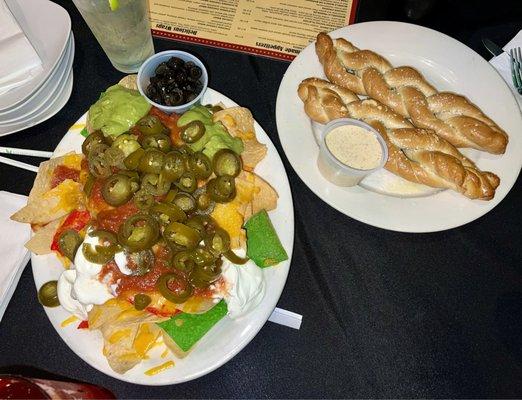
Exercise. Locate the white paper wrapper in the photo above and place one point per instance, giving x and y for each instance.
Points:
(503, 66)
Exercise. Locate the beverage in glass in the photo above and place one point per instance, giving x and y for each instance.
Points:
(122, 28)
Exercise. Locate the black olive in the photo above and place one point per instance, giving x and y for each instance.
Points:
(157, 99)
(161, 69)
(181, 77)
(175, 63)
(189, 87)
(195, 72)
(189, 64)
(198, 87)
(189, 96)
(167, 100)
(176, 97)
(151, 91)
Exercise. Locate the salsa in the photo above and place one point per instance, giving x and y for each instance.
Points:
(112, 219)
(61, 173)
(143, 283)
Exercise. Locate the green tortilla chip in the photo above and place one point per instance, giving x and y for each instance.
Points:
(263, 244)
(186, 329)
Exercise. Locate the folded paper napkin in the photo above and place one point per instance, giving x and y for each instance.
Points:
(503, 66)
(20, 62)
(13, 236)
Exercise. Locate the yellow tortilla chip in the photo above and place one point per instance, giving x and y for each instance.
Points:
(240, 123)
(230, 216)
(128, 334)
(100, 314)
(42, 182)
(265, 196)
(42, 239)
(51, 205)
(172, 346)
(129, 82)
(196, 305)
(252, 154)
(253, 194)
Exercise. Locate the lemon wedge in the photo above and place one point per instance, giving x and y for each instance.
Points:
(114, 4)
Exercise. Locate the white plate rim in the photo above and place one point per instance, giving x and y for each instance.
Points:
(46, 267)
(371, 208)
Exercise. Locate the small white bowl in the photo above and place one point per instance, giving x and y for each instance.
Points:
(148, 69)
(334, 170)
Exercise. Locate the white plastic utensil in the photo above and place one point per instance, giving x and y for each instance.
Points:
(26, 152)
(18, 164)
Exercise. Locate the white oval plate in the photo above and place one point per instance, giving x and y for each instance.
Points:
(450, 66)
(227, 337)
(47, 26)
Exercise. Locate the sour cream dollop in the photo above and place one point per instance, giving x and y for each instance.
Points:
(79, 287)
(245, 287)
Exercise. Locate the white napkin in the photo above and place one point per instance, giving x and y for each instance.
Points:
(19, 61)
(13, 236)
(503, 66)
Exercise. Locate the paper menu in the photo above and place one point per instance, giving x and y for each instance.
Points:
(272, 28)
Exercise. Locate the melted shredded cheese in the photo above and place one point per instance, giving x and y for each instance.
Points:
(160, 368)
(68, 321)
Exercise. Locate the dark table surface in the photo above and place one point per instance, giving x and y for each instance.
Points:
(385, 314)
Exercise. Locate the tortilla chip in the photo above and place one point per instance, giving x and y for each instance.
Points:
(265, 196)
(129, 82)
(42, 182)
(100, 314)
(197, 305)
(128, 333)
(124, 347)
(172, 346)
(253, 194)
(240, 123)
(238, 120)
(230, 216)
(53, 204)
(42, 239)
(252, 154)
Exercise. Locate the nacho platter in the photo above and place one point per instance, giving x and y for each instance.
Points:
(228, 336)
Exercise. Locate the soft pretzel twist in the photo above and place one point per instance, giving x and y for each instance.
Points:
(407, 92)
(418, 155)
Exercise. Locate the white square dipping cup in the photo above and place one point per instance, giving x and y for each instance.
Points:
(334, 170)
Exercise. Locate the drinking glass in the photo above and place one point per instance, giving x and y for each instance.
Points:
(123, 31)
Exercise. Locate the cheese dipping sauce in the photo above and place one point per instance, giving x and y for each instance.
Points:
(354, 146)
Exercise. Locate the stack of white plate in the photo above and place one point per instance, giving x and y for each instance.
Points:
(48, 28)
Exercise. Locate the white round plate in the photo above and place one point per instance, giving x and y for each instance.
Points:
(228, 336)
(46, 93)
(450, 66)
(47, 26)
(47, 110)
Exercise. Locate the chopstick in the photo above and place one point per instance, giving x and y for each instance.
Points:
(26, 152)
(18, 164)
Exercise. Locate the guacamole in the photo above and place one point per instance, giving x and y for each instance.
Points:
(117, 110)
(216, 136)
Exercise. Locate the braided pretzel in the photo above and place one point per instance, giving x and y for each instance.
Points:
(407, 92)
(417, 155)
